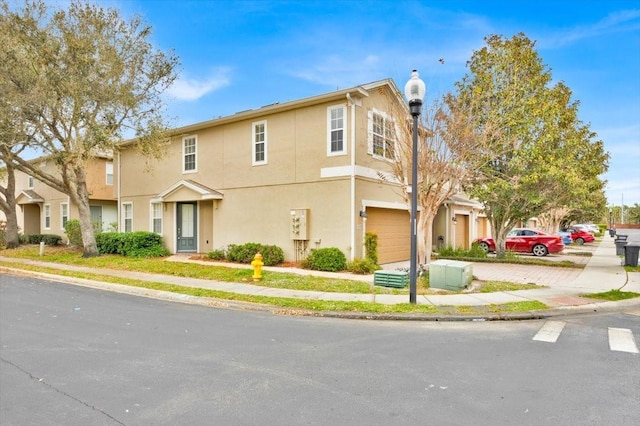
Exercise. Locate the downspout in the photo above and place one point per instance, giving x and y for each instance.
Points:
(352, 177)
(118, 212)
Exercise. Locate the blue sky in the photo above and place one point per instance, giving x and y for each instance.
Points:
(237, 55)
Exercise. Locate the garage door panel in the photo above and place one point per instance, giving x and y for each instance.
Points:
(394, 233)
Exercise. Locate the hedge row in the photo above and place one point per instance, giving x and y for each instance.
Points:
(131, 244)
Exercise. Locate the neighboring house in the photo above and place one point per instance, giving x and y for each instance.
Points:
(44, 210)
(301, 175)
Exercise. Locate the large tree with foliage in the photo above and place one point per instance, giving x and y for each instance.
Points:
(447, 157)
(93, 79)
(542, 157)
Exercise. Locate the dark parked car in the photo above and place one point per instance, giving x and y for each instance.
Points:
(525, 240)
(580, 235)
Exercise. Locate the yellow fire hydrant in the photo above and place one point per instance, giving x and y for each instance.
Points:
(257, 267)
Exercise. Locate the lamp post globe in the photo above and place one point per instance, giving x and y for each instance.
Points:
(414, 90)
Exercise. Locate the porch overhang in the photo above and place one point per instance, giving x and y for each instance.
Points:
(29, 197)
(187, 190)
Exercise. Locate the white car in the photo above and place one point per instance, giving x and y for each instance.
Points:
(590, 227)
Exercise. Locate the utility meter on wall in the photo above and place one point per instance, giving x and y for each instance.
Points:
(299, 225)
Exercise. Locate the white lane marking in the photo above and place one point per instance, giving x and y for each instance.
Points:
(621, 339)
(550, 331)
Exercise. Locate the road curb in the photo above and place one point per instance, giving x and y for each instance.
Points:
(278, 310)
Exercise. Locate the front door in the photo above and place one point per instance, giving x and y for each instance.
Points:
(186, 227)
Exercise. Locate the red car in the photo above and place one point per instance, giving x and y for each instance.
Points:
(580, 236)
(525, 240)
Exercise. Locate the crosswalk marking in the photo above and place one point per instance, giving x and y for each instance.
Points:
(550, 331)
(621, 339)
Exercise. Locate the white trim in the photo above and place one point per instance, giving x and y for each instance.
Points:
(206, 193)
(152, 217)
(385, 205)
(124, 217)
(385, 118)
(254, 142)
(360, 171)
(45, 216)
(62, 216)
(195, 153)
(107, 164)
(330, 109)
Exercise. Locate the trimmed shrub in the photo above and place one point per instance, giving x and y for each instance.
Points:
(108, 243)
(48, 239)
(242, 253)
(474, 252)
(362, 266)
(329, 259)
(371, 247)
(271, 255)
(216, 255)
(74, 234)
(131, 244)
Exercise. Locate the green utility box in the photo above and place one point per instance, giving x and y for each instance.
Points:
(450, 274)
(397, 279)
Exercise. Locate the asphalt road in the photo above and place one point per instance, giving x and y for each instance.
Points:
(76, 356)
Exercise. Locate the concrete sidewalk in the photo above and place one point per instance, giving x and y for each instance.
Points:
(603, 272)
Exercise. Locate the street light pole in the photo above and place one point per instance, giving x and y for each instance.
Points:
(414, 91)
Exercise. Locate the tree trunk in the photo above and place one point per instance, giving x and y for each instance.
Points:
(425, 232)
(81, 199)
(8, 206)
(11, 230)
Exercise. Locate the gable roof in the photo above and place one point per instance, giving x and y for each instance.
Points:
(29, 196)
(355, 92)
(195, 191)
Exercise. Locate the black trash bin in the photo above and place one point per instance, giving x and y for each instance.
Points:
(621, 237)
(612, 232)
(620, 244)
(631, 254)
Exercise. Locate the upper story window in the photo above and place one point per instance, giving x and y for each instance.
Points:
(30, 182)
(382, 135)
(336, 130)
(259, 144)
(109, 167)
(189, 154)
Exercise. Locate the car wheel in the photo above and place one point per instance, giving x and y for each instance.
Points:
(540, 250)
(580, 240)
(484, 246)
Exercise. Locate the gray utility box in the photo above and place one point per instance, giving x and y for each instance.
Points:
(397, 279)
(450, 274)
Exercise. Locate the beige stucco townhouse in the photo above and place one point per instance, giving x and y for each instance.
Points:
(301, 175)
(44, 210)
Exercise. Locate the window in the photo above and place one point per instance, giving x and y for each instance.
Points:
(336, 130)
(382, 135)
(30, 182)
(189, 151)
(109, 173)
(156, 218)
(259, 148)
(64, 213)
(47, 216)
(127, 217)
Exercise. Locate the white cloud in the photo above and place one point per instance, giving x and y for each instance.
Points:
(623, 21)
(190, 89)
